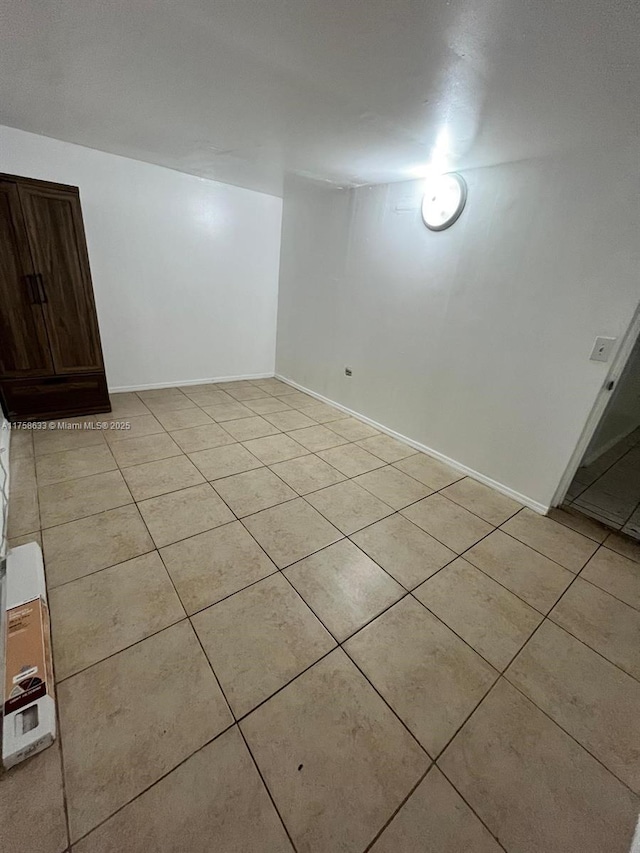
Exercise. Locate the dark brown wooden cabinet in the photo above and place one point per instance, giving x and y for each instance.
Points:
(50, 355)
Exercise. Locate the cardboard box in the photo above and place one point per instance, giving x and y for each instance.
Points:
(29, 723)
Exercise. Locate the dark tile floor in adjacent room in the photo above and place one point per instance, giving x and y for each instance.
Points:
(609, 489)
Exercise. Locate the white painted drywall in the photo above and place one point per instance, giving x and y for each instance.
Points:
(473, 341)
(185, 270)
(622, 415)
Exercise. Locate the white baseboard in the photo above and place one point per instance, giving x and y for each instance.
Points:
(120, 388)
(538, 507)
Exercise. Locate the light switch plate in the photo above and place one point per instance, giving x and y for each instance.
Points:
(602, 349)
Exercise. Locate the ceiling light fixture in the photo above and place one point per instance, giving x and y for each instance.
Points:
(443, 201)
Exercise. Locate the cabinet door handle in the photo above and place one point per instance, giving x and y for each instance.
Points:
(30, 279)
(41, 290)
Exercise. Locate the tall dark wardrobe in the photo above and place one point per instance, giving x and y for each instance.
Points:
(50, 355)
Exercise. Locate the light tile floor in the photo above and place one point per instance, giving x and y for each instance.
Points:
(275, 629)
(608, 490)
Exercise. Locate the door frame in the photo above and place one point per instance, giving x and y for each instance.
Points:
(614, 374)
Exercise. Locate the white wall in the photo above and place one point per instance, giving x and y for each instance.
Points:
(622, 415)
(474, 341)
(185, 270)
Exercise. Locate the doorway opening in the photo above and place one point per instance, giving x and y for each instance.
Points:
(606, 484)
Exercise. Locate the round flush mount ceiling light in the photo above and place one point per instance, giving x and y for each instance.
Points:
(443, 201)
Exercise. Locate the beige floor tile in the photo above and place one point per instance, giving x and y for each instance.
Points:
(454, 526)
(158, 478)
(101, 614)
(335, 758)
(23, 512)
(203, 388)
(259, 639)
(224, 461)
(393, 487)
(160, 394)
(351, 459)
(349, 506)
(246, 392)
(146, 448)
(352, 429)
(435, 819)
(481, 500)
(271, 385)
(291, 531)
(344, 587)
(213, 803)
(580, 523)
(291, 420)
(209, 397)
(603, 622)
(208, 567)
(201, 438)
(183, 419)
(387, 448)
(296, 398)
(267, 405)
(23, 540)
(534, 787)
(624, 545)
(245, 429)
(307, 473)
(317, 437)
(73, 499)
(234, 383)
(228, 411)
(21, 443)
(559, 543)
(407, 553)
(32, 805)
(169, 404)
(184, 513)
(126, 405)
(253, 490)
(431, 679)
(533, 577)
(322, 412)
(616, 574)
(275, 448)
(71, 464)
(174, 405)
(429, 471)
(586, 695)
(137, 714)
(486, 615)
(138, 426)
(55, 441)
(23, 472)
(81, 547)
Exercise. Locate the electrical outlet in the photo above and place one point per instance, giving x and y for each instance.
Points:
(348, 371)
(602, 349)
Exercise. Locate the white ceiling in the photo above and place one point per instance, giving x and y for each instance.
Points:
(347, 91)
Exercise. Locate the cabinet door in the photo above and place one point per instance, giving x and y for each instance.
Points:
(24, 348)
(56, 236)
